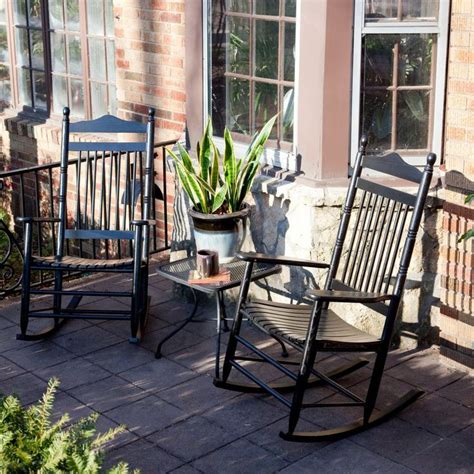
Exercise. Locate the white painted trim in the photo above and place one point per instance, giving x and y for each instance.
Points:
(271, 156)
(439, 28)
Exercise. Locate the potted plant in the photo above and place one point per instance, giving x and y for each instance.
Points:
(217, 187)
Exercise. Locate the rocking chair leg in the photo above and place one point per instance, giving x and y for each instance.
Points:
(374, 384)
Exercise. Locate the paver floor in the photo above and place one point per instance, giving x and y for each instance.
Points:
(177, 421)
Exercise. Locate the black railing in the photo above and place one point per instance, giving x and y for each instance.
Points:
(33, 191)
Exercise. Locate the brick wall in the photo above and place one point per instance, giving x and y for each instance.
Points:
(457, 259)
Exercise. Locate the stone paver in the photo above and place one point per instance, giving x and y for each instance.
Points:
(178, 421)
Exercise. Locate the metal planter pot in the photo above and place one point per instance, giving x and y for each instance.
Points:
(224, 233)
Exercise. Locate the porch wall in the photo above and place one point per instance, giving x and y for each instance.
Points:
(457, 259)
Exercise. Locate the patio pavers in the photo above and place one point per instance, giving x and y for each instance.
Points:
(177, 421)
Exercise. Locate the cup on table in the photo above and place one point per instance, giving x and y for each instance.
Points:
(207, 263)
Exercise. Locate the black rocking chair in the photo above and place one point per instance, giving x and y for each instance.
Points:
(363, 270)
(108, 229)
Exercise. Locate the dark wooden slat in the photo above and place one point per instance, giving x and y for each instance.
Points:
(390, 193)
(394, 165)
(99, 234)
(107, 146)
(107, 124)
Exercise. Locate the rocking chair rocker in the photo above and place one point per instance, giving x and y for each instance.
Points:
(362, 270)
(107, 228)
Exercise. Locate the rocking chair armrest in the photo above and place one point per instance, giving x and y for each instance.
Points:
(347, 296)
(143, 222)
(30, 219)
(279, 260)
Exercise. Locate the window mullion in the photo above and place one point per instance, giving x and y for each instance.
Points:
(85, 57)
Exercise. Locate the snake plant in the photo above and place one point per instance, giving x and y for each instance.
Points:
(219, 184)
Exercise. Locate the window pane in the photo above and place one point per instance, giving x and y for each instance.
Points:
(2, 11)
(239, 98)
(266, 49)
(412, 119)
(77, 98)
(381, 10)
(21, 40)
(39, 90)
(112, 100)
(238, 52)
(56, 19)
(97, 59)
(75, 59)
(59, 93)
(376, 119)
(415, 60)
(58, 47)
(109, 18)
(24, 86)
(37, 55)
(3, 44)
(290, 8)
(111, 60)
(265, 105)
(72, 15)
(5, 86)
(95, 15)
(237, 6)
(98, 99)
(411, 10)
(19, 12)
(287, 118)
(420, 10)
(267, 7)
(289, 60)
(35, 13)
(377, 60)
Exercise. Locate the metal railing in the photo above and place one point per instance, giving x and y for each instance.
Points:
(33, 191)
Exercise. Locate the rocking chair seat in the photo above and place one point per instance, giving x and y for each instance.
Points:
(78, 263)
(290, 322)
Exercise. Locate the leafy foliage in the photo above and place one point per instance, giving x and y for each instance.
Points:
(31, 442)
(219, 184)
(470, 233)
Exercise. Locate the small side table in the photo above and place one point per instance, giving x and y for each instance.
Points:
(180, 272)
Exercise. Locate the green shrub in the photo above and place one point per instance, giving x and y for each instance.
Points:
(31, 443)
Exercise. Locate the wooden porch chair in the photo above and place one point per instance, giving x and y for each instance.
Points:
(106, 230)
(368, 266)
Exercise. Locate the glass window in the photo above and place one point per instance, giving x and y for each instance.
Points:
(86, 88)
(399, 54)
(253, 67)
(101, 49)
(30, 53)
(5, 84)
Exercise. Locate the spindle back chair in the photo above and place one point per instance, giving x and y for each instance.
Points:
(103, 223)
(369, 265)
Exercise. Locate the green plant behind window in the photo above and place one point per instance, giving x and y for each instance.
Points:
(31, 443)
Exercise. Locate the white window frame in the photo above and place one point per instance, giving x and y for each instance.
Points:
(271, 156)
(440, 28)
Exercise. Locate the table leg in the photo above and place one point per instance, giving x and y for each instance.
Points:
(220, 316)
(158, 353)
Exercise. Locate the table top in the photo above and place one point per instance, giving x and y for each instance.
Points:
(181, 271)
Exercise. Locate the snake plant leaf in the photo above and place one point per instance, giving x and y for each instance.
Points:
(187, 162)
(262, 136)
(469, 198)
(230, 166)
(194, 184)
(467, 235)
(219, 198)
(183, 178)
(214, 178)
(205, 151)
